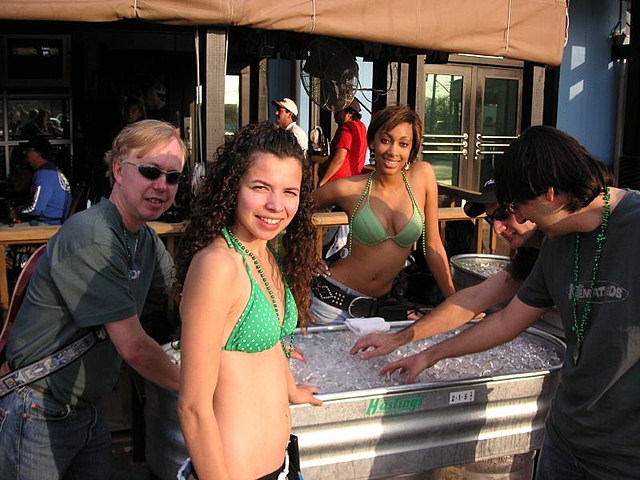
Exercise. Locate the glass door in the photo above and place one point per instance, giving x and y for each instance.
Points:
(497, 119)
(445, 141)
(471, 115)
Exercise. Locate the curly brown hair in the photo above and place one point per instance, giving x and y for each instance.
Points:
(214, 206)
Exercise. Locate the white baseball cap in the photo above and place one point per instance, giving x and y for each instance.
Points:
(286, 103)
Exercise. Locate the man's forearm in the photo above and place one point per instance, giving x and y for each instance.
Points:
(154, 364)
(494, 330)
(448, 315)
(335, 162)
(464, 305)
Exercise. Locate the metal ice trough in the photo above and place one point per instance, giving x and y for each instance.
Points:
(472, 268)
(395, 430)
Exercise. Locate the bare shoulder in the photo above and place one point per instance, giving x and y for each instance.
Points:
(354, 184)
(422, 169)
(215, 261)
(339, 191)
(422, 176)
(212, 272)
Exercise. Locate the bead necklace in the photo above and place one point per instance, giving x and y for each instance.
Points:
(413, 202)
(131, 252)
(265, 281)
(580, 328)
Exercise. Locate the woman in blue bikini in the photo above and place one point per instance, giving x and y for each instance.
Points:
(238, 306)
(389, 209)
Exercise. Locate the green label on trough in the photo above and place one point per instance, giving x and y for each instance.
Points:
(392, 405)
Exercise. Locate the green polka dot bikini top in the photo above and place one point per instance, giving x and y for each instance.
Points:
(258, 328)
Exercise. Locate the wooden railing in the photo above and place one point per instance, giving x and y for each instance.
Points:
(27, 235)
(454, 197)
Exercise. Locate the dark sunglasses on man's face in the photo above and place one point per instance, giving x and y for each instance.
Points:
(151, 172)
(499, 214)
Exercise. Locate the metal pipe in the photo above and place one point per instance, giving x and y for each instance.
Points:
(620, 113)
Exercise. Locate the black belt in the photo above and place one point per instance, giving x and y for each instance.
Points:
(357, 306)
(274, 475)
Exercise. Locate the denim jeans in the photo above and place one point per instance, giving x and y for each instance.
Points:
(326, 314)
(43, 439)
(555, 464)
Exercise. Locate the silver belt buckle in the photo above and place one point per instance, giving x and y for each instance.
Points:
(352, 303)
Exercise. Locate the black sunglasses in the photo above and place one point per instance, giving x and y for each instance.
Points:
(511, 208)
(499, 214)
(151, 172)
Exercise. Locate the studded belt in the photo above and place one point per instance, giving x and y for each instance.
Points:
(357, 306)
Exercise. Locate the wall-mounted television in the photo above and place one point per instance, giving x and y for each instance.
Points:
(35, 60)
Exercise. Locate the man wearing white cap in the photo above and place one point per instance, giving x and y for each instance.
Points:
(286, 116)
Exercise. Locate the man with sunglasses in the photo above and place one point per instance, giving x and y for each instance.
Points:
(588, 268)
(91, 286)
(466, 304)
(516, 234)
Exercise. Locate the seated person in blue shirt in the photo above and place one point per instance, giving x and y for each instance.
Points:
(51, 193)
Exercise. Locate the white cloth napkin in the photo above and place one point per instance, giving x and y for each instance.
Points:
(363, 326)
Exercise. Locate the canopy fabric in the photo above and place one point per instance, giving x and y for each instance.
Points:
(533, 30)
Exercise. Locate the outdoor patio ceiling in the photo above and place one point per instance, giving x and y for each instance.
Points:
(533, 30)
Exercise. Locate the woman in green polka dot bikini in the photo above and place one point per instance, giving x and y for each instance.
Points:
(238, 306)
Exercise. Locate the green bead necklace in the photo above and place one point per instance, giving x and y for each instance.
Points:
(366, 190)
(265, 281)
(579, 328)
(131, 251)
